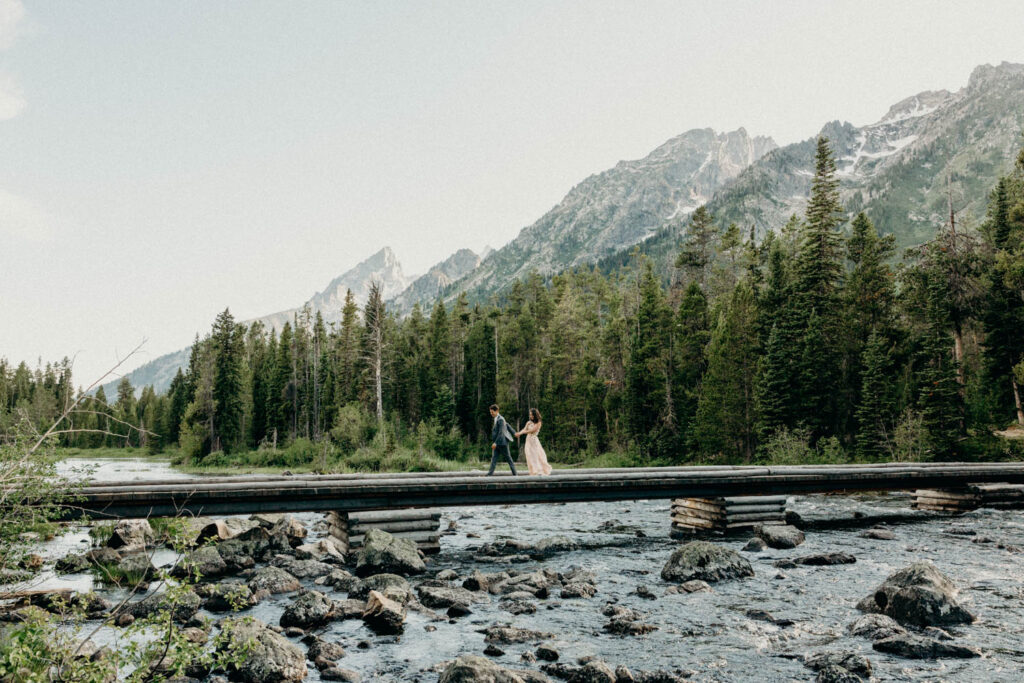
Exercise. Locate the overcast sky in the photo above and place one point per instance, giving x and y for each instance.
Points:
(162, 160)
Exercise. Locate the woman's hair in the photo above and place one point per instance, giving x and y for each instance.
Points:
(535, 415)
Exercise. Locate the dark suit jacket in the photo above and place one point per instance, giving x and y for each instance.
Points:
(498, 432)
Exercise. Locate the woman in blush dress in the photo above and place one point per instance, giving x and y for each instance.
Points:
(536, 458)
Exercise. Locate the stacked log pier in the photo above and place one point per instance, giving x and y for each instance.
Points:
(419, 525)
(970, 497)
(724, 515)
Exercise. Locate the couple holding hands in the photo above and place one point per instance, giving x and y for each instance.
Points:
(502, 436)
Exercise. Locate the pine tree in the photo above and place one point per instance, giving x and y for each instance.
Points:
(699, 246)
(726, 412)
(875, 411)
(227, 384)
(375, 343)
(648, 375)
(692, 336)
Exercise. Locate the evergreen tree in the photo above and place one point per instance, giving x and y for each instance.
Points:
(692, 336)
(875, 412)
(179, 400)
(726, 411)
(227, 384)
(699, 244)
(648, 375)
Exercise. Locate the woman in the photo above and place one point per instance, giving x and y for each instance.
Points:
(536, 458)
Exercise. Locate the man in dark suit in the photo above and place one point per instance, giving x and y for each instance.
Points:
(499, 442)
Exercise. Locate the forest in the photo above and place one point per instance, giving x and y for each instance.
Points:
(817, 343)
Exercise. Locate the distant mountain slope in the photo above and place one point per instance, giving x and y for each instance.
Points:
(621, 206)
(895, 170)
(383, 267)
(426, 288)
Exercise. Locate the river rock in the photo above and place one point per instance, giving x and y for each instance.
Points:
(336, 673)
(182, 607)
(878, 534)
(912, 646)
(383, 615)
(60, 602)
(434, 596)
(506, 634)
(204, 561)
(547, 653)
(326, 549)
(836, 674)
(780, 536)
(392, 586)
(338, 579)
(226, 597)
(384, 553)
(920, 595)
(825, 560)
(578, 589)
(755, 545)
(223, 529)
(291, 529)
(349, 609)
(323, 649)
(705, 561)
(132, 569)
(592, 672)
(851, 661)
(273, 579)
(555, 544)
(308, 610)
(134, 534)
(302, 569)
(447, 575)
(271, 658)
(474, 669)
(875, 627)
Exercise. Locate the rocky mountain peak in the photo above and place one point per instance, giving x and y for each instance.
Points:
(985, 74)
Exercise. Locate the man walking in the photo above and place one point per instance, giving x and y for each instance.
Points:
(499, 442)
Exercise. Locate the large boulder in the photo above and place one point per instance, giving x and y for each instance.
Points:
(474, 669)
(853, 662)
(919, 595)
(303, 569)
(135, 534)
(205, 561)
(274, 580)
(383, 615)
(507, 634)
(271, 658)
(324, 550)
(223, 529)
(383, 553)
(391, 586)
(76, 563)
(705, 561)
(780, 536)
(444, 597)
(309, 610)
(182, 606)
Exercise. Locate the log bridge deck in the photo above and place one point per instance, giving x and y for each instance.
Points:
(354, 492)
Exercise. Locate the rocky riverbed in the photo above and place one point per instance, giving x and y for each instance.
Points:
(597, 591)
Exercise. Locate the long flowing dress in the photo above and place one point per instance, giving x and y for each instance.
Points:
(536, 458)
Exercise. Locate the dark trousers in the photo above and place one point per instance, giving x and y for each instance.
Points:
(498, 452)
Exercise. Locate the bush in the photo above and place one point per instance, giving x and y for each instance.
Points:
(353, 427)
(793, 447)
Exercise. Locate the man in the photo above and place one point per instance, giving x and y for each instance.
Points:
(499, 442)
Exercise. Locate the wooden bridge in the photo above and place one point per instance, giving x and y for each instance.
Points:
(356, 492)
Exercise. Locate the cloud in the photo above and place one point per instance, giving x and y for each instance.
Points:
(11, 14)
(22, 220)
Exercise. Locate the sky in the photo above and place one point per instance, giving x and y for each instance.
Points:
(160, 161)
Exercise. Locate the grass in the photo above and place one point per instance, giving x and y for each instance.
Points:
(109, 452)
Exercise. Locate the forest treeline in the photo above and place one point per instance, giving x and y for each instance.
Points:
(814, 343)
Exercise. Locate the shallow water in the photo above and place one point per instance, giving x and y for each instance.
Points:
(708, 633)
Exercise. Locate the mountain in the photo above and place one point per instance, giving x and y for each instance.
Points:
(383, 267)
(900, 169)
(621, 206)
(426, 288)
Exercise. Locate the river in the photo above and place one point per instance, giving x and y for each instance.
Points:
(709, 634)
